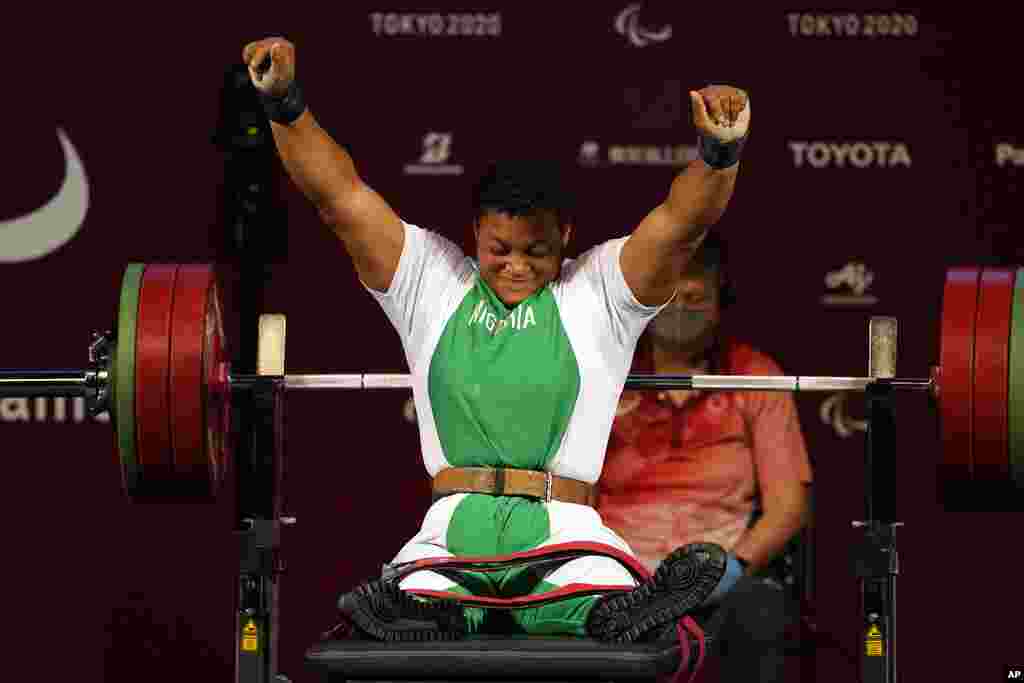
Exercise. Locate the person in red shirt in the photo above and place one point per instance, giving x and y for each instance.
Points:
(730, 467)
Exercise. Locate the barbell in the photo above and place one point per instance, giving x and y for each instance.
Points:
(165, 377)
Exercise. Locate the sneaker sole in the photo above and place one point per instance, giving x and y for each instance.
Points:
(682, 582)
(419, 621)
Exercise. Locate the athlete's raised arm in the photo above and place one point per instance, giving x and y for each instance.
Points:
(322, 169)
(659, 248)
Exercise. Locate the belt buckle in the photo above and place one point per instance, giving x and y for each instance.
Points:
(547, 487)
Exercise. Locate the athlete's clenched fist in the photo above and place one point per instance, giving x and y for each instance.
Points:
(271, 63)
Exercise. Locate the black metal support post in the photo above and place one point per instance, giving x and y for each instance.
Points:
(876, 562)
(259, 459)
(252, 239)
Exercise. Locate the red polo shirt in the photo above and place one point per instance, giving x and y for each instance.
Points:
(678, 475)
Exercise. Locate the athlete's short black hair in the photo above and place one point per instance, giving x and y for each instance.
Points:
(522, 187)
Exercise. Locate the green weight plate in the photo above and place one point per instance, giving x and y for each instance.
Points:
(123, 377)
(1016, 389)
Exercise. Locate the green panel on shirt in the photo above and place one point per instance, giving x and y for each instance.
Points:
(503, 383)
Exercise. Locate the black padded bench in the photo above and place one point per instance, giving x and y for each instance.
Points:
(496, 658)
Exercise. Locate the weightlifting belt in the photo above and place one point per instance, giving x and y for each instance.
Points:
(512, 482)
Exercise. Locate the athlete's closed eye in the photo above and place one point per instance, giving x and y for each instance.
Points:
(536, 250)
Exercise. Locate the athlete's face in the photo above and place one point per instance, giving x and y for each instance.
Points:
(519, 255)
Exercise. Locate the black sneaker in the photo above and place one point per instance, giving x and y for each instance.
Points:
(682, 582)
(384, 611)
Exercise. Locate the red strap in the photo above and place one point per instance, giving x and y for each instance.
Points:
(491, 563)
(571, 590)
(684, 653)
(684, 628)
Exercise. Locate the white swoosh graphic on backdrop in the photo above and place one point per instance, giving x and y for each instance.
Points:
(628, 24)
(52, 225)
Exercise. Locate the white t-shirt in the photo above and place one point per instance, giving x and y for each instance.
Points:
(598, 311)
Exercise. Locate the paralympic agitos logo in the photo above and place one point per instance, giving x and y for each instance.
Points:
(627, 23)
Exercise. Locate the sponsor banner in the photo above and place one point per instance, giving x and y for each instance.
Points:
(436, 24)
(593, 153)
(829, 154)
(436, 157)
(57, 410)
(852, 25)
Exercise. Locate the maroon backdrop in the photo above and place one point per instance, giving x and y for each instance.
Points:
(890, 156)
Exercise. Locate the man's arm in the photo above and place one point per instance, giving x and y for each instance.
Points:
(783, 474)
(325, 173)
(663, 243)
(786, 511)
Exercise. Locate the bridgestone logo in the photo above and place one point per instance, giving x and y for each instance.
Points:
(850, 154)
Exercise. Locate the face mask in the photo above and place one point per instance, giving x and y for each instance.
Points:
(678, 326)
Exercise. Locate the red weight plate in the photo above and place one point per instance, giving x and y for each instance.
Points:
(956, 378)
(991, 377)
(152, 348)
(197, 379)
(217, 406)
